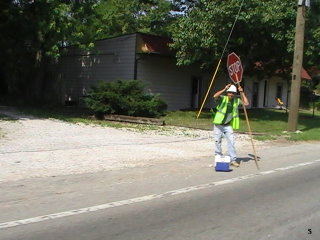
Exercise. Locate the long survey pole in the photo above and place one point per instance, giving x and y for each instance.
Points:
(205, 98)
(249, 128)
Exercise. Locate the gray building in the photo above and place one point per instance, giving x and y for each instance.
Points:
(134, 56)
(148, 58)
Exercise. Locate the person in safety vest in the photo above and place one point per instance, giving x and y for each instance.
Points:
(227, 118)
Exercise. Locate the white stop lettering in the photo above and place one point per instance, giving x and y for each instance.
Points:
(234, 68)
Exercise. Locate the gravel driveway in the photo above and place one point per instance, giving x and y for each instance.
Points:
(34, 147)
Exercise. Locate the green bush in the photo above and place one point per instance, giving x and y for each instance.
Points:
(125, 98)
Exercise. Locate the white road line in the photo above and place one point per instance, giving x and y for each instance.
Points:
(144, 198)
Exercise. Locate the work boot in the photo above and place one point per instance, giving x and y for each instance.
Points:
(235, 164)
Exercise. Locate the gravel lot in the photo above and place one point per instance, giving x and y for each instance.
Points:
(31, 147)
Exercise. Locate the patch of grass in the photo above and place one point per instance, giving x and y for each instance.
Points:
(270, 122)
(6, 118)
(264, 121)
(189, 119)
(265, 137)
(309, 127)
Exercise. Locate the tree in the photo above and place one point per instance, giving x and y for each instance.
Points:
(312, 35)
(129, 16)
(263, 33)
(36, 32)
(184, 6)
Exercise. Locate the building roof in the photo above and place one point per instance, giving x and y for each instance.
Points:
(305, 75)
(154, 44)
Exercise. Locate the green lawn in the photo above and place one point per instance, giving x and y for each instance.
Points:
(5, 118)
(269, 122)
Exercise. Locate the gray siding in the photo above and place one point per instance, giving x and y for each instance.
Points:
(113, 59)
(173, 83)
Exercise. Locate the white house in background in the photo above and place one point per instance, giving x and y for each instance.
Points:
(148, 58)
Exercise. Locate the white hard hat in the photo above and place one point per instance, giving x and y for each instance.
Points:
(232, 88)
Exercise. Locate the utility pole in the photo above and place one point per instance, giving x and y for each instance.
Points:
(297, 65)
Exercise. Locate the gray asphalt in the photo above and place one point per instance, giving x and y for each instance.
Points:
(281, 205)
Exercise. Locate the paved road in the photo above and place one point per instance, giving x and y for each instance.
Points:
(279, 202)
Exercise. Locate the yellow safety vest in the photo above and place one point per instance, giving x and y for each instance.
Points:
(222, 110)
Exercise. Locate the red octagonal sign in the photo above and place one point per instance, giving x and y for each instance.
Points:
(234, 67)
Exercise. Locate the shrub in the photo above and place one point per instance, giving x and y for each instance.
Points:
(125, 98)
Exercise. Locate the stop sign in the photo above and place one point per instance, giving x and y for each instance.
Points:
(234, 67)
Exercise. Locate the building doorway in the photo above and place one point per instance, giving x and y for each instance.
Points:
(279, 91)
(196, 90)
(255, 94)
(265, 94)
